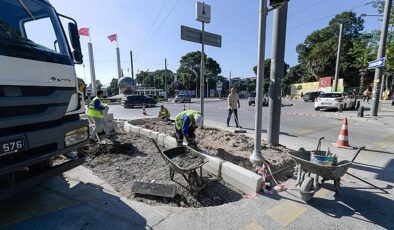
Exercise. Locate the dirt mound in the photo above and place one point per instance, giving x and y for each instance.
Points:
(233, 147)
(130, 157)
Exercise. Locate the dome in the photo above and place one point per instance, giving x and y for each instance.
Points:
(126, 85)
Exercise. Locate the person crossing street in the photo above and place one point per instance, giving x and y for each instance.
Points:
(95, 111)
(186, 123)
(233, 102)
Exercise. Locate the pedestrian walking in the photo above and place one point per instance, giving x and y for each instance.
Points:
(233, 104)
(95, 111)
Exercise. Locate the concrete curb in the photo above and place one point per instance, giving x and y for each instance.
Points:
(241, 178)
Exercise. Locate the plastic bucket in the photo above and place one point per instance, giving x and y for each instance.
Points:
(323, 160)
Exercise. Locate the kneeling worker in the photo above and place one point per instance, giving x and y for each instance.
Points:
(164, 114)
(186, 123)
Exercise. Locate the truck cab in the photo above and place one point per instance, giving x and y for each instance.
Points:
(40, 106)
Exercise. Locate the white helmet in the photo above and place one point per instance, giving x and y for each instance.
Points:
(198, 119)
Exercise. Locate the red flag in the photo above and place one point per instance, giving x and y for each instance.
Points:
(113, 37)
(325, 82)
(84, 31)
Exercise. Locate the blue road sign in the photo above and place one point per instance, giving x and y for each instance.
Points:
(376, 63)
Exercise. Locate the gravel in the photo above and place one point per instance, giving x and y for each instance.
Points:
(129, 157)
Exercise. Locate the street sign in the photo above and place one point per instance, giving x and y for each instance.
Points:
(194, 35)
(376, 63)
(203, 12)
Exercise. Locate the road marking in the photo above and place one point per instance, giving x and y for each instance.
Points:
(252, 226)
(307, 131)
(384, 144)
(286, 212)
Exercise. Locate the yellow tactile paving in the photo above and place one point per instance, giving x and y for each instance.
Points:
(286, 212)
(252, 226)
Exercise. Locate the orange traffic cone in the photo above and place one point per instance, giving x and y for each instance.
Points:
(343, 138)
(143, 110)
(184, 107)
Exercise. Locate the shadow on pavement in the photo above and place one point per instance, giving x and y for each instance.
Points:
(57, 205)
(383, 174)
(265, 131)
(352, 203)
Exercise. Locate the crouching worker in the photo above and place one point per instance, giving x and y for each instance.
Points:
(164, 114)
(95, 111)
(186, 123)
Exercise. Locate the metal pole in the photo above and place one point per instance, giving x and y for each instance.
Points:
(229, 83)
(381, 53)
(256, 157)
(277, 66)
(132, 65)
(202, 70)
(118, 59)
(338, 57)
(165, 77)
(92, 70)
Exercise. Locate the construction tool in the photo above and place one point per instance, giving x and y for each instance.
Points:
(240, 130)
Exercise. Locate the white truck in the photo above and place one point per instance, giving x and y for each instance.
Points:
(40, 106)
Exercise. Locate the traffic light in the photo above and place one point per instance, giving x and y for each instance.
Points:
(275, 3)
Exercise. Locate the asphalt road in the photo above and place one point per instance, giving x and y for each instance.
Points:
(298, 119)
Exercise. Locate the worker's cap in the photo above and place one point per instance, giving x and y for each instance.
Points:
(198, 119)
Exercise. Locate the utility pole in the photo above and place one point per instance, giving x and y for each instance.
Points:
(92, 70)
(229, 83)
(277, 66)
(381, 53)
(132, 65)
(338, 58)
(165, 77)
(202, 72)
(256, 157)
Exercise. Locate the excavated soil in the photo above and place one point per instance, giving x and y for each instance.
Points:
(235, 148)
(127, 158)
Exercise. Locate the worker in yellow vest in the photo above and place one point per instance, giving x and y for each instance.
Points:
(95, 111)
(186, 123)
(164, 114)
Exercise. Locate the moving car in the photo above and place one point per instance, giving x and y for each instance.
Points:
(311, 96)
(252, 99)
(137, 100)
(338, 101)
(183, 98)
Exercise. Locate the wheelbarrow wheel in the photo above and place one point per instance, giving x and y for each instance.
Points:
(195, 182)
(306, 189)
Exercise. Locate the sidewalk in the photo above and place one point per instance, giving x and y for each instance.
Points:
(83, 201)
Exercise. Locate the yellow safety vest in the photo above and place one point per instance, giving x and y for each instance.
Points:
(92, 112)
(164, 112)
(179, 117)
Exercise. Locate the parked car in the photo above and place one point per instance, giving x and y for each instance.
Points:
(137, 100)
(311, 96)
(183, 98)
(338, 101)
(252, 99)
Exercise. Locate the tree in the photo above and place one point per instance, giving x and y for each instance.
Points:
(113, 87)
(318, 52)
(296, 74)
(267, 73)
(189, 70)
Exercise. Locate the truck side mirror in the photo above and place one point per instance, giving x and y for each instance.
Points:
(75, 43)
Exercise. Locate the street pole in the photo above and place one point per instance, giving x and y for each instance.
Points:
(381, 53)
(92, 70)
(119, 68)
(207, 88)
(277, 66)
(229, 83)
(338, 57)
(202, 71)
(256, 157)
(132, 65)
(165, 77)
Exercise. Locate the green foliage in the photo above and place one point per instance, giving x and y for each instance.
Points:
(317, 54)
(267, 73)
(189, 70)
(113, 87)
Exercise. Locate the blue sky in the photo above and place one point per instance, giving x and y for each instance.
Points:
(151, 29)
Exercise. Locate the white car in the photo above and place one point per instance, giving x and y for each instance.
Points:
(339, 101)
(252, 99)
